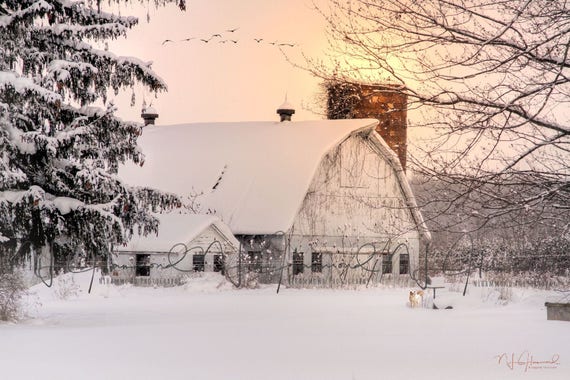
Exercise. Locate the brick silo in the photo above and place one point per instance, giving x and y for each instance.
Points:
(385, 102)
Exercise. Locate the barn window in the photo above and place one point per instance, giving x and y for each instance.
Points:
(404, 263)
(218, 264)
(199, 263)
(142, 265)
(254, 261)
(298, 265)
(316, 262)
(386, 263)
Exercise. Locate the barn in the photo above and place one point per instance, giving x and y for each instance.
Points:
(185, 243)
(310, 202)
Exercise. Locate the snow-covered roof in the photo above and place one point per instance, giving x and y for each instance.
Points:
(286, 106)
(177, 228)
(253, 175)
(150, 110)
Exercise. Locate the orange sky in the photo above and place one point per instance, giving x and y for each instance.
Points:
(225, 81)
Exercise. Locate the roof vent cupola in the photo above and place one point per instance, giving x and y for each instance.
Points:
(286, 110)
(149, 114)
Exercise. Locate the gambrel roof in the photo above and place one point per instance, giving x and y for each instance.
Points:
(253, 175)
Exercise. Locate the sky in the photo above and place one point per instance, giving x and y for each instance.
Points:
(225, 81)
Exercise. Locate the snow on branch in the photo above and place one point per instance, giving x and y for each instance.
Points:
(38, 8)
(87, 31)
(88, 14)
(61, 69)
(142, 70)
(25, 86)
(34, 193)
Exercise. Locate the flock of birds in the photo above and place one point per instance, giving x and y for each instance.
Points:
(219, 38)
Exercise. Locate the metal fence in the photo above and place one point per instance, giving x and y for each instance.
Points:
(358, 266)
(350, 281)
(535, 283)
(142, 281)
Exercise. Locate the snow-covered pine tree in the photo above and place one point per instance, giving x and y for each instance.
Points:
(59, 154)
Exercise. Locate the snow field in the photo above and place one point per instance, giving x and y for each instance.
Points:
(208, 330)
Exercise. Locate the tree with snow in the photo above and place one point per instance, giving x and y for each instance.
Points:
(59, 154)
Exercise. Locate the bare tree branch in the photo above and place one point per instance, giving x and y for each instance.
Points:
(488, 81)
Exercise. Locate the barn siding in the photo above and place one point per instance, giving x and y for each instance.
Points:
(354, 199)
(160, 263)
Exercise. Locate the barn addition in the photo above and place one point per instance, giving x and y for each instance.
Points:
(185, 243)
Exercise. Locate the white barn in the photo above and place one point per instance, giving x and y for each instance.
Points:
(312, 202)
(185, 243)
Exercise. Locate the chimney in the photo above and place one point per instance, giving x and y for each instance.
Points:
(285, 111)
(149, 115)
(385, 102)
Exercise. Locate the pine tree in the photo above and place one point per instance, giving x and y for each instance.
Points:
(59, 154)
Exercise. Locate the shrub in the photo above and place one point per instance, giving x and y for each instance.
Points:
(12, 291)
(65, 286)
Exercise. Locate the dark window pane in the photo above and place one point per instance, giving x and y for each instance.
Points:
(199, 263)
(386, 263)
(142, 265)
(404, 263)
(254, 261)
(218, 264)
(316, 262)
(298, 265)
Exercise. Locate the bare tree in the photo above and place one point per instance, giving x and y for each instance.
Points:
(488, 82)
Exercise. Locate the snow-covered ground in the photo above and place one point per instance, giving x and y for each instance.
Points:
(207, 330)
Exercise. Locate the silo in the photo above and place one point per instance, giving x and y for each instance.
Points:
(385, 102)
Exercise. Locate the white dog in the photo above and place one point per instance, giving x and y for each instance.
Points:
(416, 298)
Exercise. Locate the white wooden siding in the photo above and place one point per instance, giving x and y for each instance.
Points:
(160, 260)
(354, 199)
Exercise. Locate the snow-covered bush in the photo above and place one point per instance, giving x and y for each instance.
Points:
(542, 263)
(499, 295)
(205, 282)
(457, 285)
(12, 291)
(65, 286)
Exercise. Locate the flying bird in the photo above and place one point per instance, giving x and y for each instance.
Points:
(285, 44)
(232, 30)
(216, 35)
(258, 40)
(188, 39)
(166, 41)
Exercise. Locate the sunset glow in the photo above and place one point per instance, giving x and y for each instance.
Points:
(228, 81)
